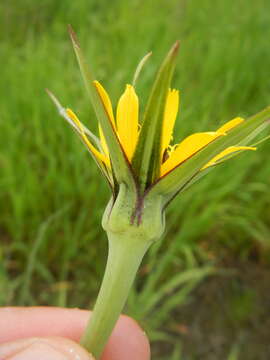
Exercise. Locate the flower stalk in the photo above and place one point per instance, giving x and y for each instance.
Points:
(124, 257)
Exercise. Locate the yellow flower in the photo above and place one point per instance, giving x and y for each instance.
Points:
(126, 126)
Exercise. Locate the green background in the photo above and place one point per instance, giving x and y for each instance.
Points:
(202, 292)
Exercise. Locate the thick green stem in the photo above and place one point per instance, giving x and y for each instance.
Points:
(124, 258)
(130, 233)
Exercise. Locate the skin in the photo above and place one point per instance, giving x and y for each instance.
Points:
(47, 333)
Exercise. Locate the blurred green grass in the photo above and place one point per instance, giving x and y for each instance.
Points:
(52, 247)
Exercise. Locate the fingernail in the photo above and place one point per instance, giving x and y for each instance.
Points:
(43, 349)
(39, 351)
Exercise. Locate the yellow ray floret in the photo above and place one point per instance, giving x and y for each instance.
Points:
(106, 101)
(127, 125)
(170, 113)
(226, 152)
(127, 118)
(188, 147)
(92, 149)
(103, 142)
(230, 124)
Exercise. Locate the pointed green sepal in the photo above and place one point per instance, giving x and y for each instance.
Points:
(121, 167)
(178, 178)
(147, 158)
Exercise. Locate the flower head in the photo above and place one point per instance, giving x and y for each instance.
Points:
(135, 148)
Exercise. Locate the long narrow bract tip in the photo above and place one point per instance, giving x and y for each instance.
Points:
(73, 36)
(139, 67)
(175, 47)
(54, 100)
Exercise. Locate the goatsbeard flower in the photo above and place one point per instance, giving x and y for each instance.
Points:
(145, 171)
(127, 128)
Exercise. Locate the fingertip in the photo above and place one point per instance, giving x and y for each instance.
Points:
(128, 341)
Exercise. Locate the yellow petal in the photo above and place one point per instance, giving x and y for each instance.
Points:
(103, 142)
(230, 124)
(127, 120)
(229, 150)
(170, 112)
(92, 149)
(188, 147)
(106, 101)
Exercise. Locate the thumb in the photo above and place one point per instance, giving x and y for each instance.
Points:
(46, 348)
